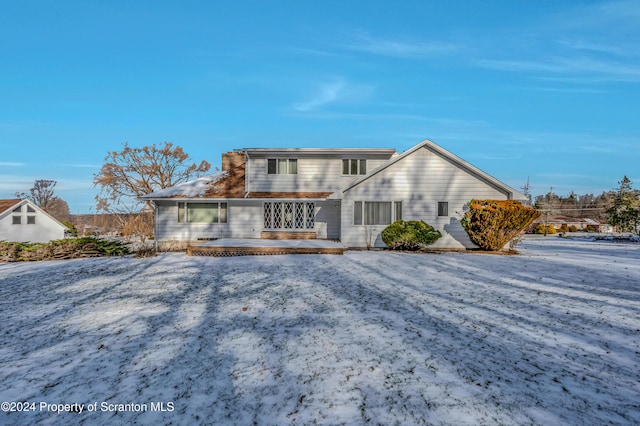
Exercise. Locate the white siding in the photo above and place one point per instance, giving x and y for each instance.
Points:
(315, 174)
(44, 230)
(244, 220)
(420, 181)
(327, 223)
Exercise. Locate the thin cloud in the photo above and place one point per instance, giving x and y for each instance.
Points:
(10, 164)
(595, 47)
(581, 45)
(580, 68)
(566, 90)
(338, 90)
(15, 183)
(84, 166)
(363, 42)
(326, 94)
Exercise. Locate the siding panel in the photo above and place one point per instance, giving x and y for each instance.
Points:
(420, 181)
(315, 174)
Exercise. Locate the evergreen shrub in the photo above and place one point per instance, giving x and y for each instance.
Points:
(68, 248)
(573, 228)
(409, 235)
(491, 224)
(542, 229)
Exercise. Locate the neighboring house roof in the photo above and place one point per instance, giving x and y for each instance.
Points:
(558, 219)
(8, 205)
(438, 150)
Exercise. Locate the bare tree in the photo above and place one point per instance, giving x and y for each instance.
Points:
(134, 172)
(41, 194)
(59, 209)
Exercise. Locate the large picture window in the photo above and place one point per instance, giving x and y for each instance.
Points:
(289, 215)
(376, 212)
(282, 166)
(202, 212)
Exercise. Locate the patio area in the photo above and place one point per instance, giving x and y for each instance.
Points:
(260, 247)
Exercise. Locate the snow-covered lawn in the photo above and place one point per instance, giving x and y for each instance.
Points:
(551, 336)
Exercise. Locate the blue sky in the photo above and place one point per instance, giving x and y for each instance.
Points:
(547, 91)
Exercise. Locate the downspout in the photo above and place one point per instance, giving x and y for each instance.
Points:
(155, 226)
(246, 175)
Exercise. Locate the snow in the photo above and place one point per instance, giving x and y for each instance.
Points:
(254, 242)
(551, 336)
(193, 188)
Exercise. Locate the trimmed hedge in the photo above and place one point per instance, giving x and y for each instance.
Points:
(69, 248)
(409, 235)
(542, 229)
(491, 224)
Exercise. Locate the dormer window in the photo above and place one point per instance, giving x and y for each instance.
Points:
(352, 166)
(282, 166)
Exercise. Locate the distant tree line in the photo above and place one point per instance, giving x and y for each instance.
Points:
(575, 205)
(619, 207)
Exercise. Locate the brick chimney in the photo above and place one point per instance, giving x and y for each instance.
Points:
(232, 160)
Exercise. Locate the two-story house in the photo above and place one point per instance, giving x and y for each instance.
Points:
(346, 194)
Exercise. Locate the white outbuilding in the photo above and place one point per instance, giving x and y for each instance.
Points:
(23, 221)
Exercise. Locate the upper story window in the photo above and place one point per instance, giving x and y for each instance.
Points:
(282, 166)
(353, 166)
(16, 220)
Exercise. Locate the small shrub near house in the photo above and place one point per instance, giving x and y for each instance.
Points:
(573, 228)
(409, 235)
(69, 248)
(491, 224)
(545, 229)
(71, 229)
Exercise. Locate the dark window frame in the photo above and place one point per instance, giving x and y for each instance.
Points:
(443, 208)
(290, 166)
(354, 166)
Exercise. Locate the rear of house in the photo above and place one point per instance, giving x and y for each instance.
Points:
(349, 195)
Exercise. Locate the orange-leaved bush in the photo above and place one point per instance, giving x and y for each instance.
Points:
(491, 224)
